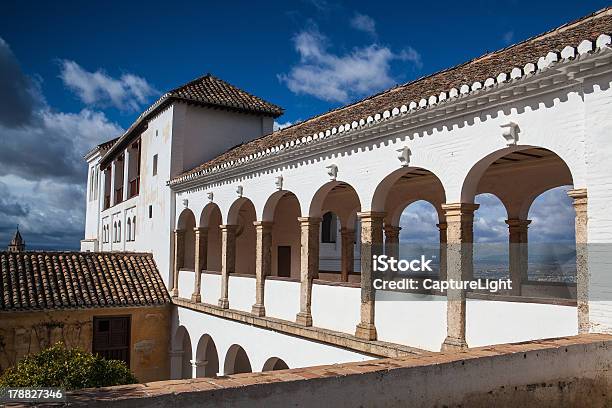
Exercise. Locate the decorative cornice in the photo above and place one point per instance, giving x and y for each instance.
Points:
(444, 101)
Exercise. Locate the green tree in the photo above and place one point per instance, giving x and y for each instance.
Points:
(68, 368)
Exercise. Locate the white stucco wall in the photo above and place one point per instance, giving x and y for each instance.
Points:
(259, 344)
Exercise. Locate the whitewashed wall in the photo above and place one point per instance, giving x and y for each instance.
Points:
(259, 344)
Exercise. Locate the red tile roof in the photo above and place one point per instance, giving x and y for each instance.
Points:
(479, 69)
(57, 280)
(212, 91)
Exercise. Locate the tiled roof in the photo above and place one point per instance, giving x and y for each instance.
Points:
(477, 70)
(207, 90)
(210, 90)
(56, 280)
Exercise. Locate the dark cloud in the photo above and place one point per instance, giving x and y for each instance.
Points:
(17, 90)
(42, 171)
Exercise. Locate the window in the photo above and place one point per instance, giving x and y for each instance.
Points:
(128, 230)
(119, 231)
(111, 338)
(115, 231)
(150, 211)
(134, 228)
(155, 165)
(329, 227)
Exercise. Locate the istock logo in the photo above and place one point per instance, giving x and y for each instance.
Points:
(384, 263)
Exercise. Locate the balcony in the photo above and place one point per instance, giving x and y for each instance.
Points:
(134, 187)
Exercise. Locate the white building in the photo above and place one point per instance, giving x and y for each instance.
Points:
(202, 182)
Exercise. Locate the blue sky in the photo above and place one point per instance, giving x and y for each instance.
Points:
(82, 71)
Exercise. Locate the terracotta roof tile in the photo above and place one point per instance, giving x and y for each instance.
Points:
(210, 90)
(54, 280)
(479, 69)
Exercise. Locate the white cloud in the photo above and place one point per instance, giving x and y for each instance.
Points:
(364, 23)
(129, 92)
(279, 126)
(340, 78)
(42, 171)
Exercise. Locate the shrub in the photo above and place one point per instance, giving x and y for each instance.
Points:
(71, 369)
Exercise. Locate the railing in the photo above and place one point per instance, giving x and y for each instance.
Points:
(134, 187)
(107, 201)
(118, 195)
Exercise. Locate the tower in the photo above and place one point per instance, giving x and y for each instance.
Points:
(17, 244)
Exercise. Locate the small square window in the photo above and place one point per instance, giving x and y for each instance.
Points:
(155, 165)
(150, 211)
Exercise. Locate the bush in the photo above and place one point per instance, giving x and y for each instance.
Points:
(71, 369)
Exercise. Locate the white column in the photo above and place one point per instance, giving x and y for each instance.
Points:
(112, 184)
(126, 170)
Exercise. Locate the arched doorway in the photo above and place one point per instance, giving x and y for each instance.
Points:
(207, 359)
(186, 224)
(236, 361)
(182, 353)
(274, 363)
(336, 205)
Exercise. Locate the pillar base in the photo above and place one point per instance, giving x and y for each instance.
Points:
(366, 331)
(174, 292)
(454, 344)
(196, 297)
(304, 319)
(224, 303)
(258, 310)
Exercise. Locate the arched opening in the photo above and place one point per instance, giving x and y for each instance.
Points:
(512, 179)
(337, 204)
(552, 240)
(186, 224)
(211, 219)
(283, 210)
(491, 255)
(242, 214)
(274, 363)
(419, 233)
(182, 350)
(236, 361)
(411, 199)
(207, 359)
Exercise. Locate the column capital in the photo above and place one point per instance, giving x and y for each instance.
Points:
(371, 214)
(459, 208)
(228, 227)
(309, 220)
(578, 193)
(518, 224)
(263, 224)
(200, 230)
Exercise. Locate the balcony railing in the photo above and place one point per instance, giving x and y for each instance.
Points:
(134, 187)
(118, 195)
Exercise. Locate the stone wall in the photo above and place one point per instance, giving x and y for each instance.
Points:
(567, 372)
(22, 333)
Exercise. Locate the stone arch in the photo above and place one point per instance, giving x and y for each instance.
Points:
(186, 223)
(211, 218)
(207, 358)
(182, 346)
(236, 361)
(283, 209)
(321, 202)
(273, 364)
(407, 184)
(242, 214)
(474, 179)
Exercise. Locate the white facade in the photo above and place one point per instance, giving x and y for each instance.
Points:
(562, 106)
